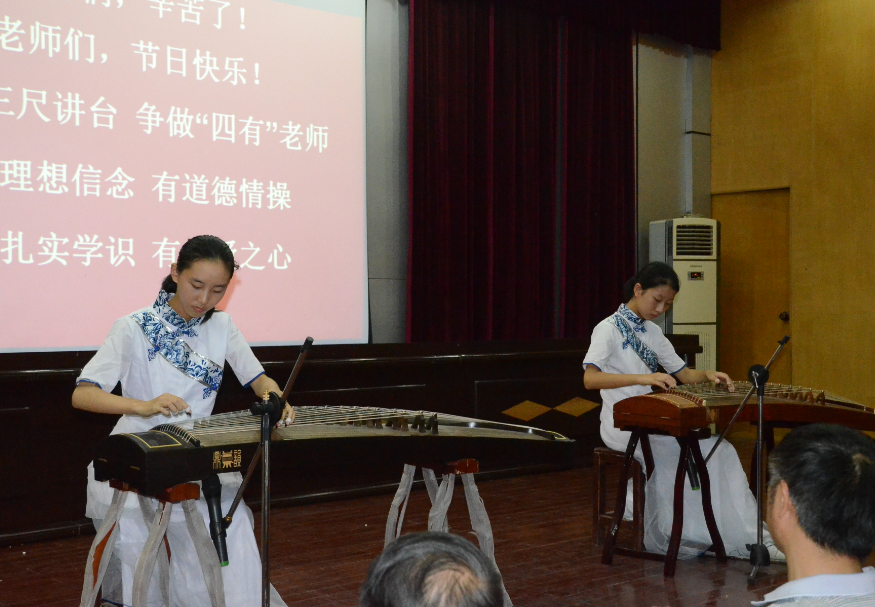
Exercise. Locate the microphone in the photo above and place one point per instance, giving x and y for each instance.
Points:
(758, 376)
(693, 474)
(272, 407)
(212, 488)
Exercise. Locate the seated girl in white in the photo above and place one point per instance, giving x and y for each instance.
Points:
(170, 358)
(624, 354)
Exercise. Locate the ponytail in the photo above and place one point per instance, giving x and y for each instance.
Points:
(168, 284)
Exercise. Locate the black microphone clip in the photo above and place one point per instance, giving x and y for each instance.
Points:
(272, 407)
(758, 376)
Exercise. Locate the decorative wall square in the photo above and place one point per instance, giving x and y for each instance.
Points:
(526, 410)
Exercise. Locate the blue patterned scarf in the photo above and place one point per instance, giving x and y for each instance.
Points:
(168, 342)
(628, 323)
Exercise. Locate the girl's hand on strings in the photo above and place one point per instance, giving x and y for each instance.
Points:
(287, 418)
(719, 377)
(166, 404)
(660, 380)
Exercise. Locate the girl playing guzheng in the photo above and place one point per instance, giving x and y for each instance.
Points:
(169, 358)
(623, 359)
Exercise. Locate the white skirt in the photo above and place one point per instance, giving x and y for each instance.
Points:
(733, 503)
(241, 577)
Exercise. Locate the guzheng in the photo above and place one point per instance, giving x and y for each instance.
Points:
(689, 407)
(175, 453)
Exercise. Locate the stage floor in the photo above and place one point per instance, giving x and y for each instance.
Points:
(543, 545)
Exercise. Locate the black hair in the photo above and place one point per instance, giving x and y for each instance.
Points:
(654, 274)
(830, 472)
(210, 248)
(432, 569)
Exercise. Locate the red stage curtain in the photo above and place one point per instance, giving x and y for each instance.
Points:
(599, 211)
(488, 172)
(524, 173)
(450, 134)
(482, 164)
(693, 22)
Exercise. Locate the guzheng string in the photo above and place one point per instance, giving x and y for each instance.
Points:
(711, 391)
(241, 421)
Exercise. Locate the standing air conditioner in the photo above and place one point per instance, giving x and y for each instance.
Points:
(690, 245)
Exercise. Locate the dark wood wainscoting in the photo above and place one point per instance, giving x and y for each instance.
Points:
(45, 444)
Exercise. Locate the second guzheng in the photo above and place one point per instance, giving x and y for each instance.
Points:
(678, 411)
(186, 451)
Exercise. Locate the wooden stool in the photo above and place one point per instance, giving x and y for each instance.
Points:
(602, 519)
(689, 448)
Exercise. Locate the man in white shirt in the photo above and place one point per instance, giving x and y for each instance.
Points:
(821, 513)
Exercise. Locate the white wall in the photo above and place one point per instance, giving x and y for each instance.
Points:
(386, 118)
(673, 110)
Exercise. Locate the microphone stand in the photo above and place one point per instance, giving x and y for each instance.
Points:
(738, 411)
(758, 375)
(759, 554)
(270, 409)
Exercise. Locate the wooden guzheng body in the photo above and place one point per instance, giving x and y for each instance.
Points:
(678, 411)
(170, 454)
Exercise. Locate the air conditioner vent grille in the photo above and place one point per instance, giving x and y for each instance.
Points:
(694, 241)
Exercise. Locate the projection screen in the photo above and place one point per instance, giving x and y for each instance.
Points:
(128, 126)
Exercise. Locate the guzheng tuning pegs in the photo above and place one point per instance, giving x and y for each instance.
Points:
(397, 423)
(425, 425)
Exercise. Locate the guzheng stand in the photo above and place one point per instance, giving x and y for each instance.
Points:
(441, 495)
(689, 445)
(158, 521)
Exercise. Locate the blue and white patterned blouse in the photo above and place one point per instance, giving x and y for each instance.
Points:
(611, 352)
(154, 351)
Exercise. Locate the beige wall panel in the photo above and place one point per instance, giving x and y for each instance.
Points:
(791, 105)
(763, 75)
(842, 280)
(747, 24)
(754, 281)
(753, 149)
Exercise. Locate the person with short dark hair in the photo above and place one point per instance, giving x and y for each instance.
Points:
(821, 511)
(432, 569)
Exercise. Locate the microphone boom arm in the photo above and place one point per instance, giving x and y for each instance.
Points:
(738, 411)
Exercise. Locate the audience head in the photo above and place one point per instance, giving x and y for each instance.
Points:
(432, 570)
(828, 472)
